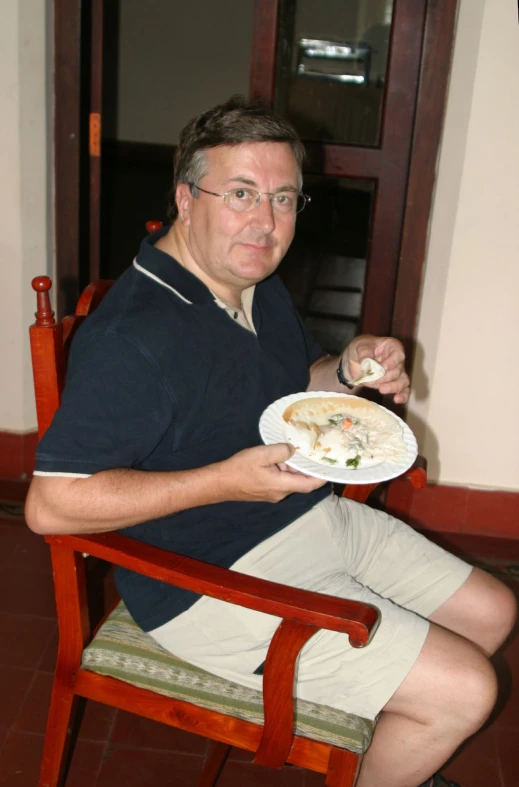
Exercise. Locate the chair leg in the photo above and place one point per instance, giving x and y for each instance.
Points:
(213, 766)
(342, 768)
(63, 705)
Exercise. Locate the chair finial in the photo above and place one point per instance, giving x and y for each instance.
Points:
(44, 314)
(41, 284)
(153, 226)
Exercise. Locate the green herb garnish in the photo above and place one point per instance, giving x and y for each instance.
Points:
(335, 419)
(354, 462)
(329, 461)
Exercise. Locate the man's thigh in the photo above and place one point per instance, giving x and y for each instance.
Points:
(232, 642)
(392, 559)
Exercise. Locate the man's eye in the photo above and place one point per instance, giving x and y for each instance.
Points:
(242, 194)
(284, 200)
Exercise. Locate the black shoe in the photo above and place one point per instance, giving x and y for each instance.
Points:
(439, 781)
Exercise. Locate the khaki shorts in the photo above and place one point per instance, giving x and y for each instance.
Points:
(344, 549)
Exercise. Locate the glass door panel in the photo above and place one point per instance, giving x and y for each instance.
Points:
(331, 68)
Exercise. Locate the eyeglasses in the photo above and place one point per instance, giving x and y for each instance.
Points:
(244, 199)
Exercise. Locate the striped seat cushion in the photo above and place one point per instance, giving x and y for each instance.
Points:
(122, 650)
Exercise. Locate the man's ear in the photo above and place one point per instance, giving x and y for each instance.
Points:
(184, 199)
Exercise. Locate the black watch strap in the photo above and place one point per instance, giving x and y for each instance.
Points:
(340, 376)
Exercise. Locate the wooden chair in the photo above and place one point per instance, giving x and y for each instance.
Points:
(303, 613)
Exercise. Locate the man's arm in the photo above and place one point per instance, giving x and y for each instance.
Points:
(113, 499)
(387, 351)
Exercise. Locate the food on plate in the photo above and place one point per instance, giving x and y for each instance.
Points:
(344, 431)
(371, 370)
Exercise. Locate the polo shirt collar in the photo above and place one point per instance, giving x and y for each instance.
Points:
(167, 271)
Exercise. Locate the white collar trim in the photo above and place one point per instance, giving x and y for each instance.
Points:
(159, 281)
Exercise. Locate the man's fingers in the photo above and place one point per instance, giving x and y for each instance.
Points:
(389, 352)
(395, 385)
(298, 482)
(394, 375)
(287, 469)
(277, 454)
(394, 360)
(403, 396)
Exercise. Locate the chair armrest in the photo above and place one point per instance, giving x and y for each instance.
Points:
(354, 618)
(417, 473)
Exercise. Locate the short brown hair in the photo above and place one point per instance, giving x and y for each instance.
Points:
(232, 123)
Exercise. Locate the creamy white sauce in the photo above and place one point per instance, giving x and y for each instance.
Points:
(366, 438)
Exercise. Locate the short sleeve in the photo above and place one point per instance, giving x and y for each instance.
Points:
(114, 411)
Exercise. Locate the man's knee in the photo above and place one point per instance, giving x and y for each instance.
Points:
(483, 610)
(476, 692)
(497, 613)
(505, 610)
(451, 687)
(465, 689)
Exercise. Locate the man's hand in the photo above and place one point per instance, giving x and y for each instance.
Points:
(259, 474)
(388, 352)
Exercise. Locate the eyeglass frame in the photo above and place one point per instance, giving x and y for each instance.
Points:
(258, 199)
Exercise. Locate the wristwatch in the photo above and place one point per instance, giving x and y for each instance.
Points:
(340, 376)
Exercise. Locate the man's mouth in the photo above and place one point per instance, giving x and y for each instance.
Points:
(257, 246)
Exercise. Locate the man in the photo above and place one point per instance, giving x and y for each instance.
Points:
(157, 436)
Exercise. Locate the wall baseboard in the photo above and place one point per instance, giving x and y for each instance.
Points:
(455, 509)
(17, 454)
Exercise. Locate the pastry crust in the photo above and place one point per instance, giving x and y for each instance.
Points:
(318, 409)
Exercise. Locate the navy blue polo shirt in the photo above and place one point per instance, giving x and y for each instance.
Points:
(160, 378)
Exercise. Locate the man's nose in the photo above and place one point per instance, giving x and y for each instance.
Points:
(262, 215)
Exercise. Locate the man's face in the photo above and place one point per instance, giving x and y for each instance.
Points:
(239, 249)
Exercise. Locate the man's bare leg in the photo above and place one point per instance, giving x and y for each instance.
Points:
(483, 610)
(445, 698)
(450, 691)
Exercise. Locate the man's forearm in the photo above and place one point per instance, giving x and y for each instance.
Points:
(323, 376)
(114, 499)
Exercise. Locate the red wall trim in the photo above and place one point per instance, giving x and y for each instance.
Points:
(17, 454)
(456, 509)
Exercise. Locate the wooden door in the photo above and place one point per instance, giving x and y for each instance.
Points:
(78, 54)
(348, 75)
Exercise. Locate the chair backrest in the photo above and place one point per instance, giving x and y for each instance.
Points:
(50, 341)
(50, 344)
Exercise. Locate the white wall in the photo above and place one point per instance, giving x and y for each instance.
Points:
(177, 59)
(464, 409)
(23, 198)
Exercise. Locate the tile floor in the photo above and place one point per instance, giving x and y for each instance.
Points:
(116, 749)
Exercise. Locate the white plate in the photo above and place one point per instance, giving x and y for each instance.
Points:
(272, 430)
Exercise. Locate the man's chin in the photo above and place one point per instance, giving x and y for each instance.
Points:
(255, 270)
(255, 265)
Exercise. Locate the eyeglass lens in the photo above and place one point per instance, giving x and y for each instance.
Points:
(244, 199)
